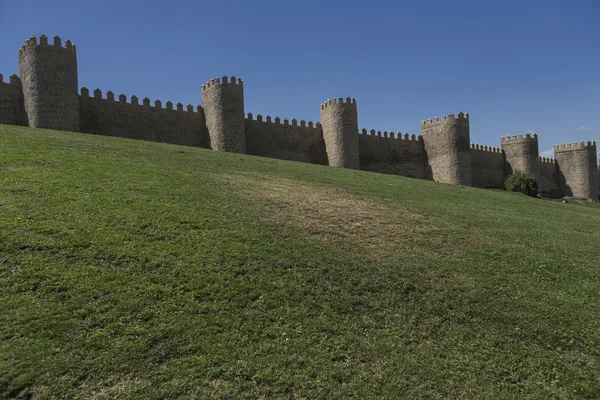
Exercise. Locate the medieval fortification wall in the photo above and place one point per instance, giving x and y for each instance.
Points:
(46, 96)
(12, 106)
(107, 116)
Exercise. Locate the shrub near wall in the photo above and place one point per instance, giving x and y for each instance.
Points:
(522, 182)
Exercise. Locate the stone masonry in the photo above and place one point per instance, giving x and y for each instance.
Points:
(46, 96)
(49, 79)
(340, 131)
(447, 144)
(224, 108)
(578, 169)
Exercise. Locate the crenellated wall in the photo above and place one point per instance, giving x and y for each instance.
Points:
(391, 153)
(548, 178)
(487, 166)
(107, 116)
(287, 141)
(12, 107)
(46, 96)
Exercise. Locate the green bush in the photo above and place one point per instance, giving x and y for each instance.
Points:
(522, 182)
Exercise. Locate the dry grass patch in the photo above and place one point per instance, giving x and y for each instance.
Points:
(329, 214)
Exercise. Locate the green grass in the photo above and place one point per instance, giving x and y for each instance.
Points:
(131, 269)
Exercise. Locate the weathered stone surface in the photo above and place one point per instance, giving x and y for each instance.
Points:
(400, 155)
(223, 104)
(447, 147)
(521, 153)
(578, 169)
(146, 122)
(12, 107)
(340, 132)
(49, 80)
(287, 142)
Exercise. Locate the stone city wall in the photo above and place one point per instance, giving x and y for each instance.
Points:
(487, 166)
(286, 141)
(132, 120)
(12, 107)
(46, 96)
(547, 177)
(391, 153)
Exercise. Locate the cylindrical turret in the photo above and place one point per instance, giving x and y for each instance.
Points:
(522, 153)
(223, 104)
(448, 148)
(578, 168)
(339, 120)
(49, 80)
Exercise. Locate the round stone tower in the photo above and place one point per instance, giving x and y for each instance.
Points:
(223, 104)
(578, 168)
(339, 121)
(49, 80)
(522, 153)
(448, 149)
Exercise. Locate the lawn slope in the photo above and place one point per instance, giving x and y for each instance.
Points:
(131, 269)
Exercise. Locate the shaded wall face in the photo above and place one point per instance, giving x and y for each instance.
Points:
(223, 105)
(340, 132)
(50, 88)
(387, 155)
(110, 118)
(447, 148)
(547, 178)
(12, 107)
(487, 169)
(578, 172)
(285, 142)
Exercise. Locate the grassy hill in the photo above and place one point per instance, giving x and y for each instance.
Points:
(131, 269)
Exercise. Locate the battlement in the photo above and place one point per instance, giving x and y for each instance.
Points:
(56, 42)
(223, 81)
(286, 121)
(14, 80)
(340, 100)
(391, 135)
(122, 99)
(488, 149)
(443, 119)
(516, 138)
(576, 146)
(547, 160)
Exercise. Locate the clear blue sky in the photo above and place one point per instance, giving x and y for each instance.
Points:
(515, 66)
